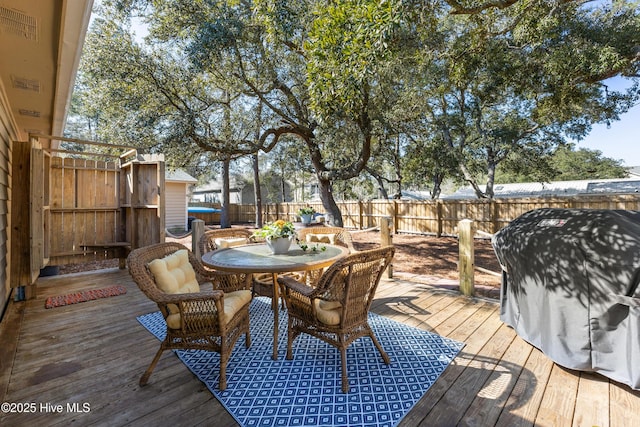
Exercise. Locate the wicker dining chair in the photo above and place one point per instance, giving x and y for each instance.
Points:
(336, 309)
(261, 283)
(196, 317)
(223, 238)
(319, 235)
(331, 235)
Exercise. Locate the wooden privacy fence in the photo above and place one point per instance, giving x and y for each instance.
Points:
(465, 219)
(439, 217)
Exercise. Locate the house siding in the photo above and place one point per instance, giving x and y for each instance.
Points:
(176, 205)
(6, 136)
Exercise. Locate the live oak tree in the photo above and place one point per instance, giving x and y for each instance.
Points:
(466, 83)
(273, 50)
(483, 80)
(427, 163)
(566, 164)
(516, 77)
(149, 96)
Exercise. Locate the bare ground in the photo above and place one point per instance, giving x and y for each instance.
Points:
(427, 259)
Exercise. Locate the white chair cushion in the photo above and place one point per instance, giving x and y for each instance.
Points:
(174, 274)
(234, 301)
(321, 238)
(230, 242)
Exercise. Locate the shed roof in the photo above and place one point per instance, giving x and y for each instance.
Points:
(179, 175)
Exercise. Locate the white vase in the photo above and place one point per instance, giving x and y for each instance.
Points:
(280, 245)
(306, 218)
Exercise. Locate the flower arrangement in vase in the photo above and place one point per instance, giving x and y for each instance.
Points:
(278, 235)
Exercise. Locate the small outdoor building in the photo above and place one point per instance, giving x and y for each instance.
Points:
(177, 190)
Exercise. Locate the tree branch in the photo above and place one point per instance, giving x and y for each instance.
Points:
(459, 9)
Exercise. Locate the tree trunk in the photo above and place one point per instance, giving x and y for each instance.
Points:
(333, 214)
(490, 180)
(437, 186)
(256, 190)
(491, 173)
(397, 155)
(381, 189)
(469, 178)
(224, 215)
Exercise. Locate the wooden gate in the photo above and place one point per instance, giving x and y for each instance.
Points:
(84, 211)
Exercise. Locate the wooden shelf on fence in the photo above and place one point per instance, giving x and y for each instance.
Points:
(88, 249)
(125, 245)
(139, 206)
(94, 209)
(68, 253)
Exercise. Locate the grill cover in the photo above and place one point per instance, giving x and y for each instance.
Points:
(570, 287)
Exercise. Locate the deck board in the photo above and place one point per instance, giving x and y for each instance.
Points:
(624, 406)
(95, 352)
(526, 396)
(494, 395)
(592, 401)
(465, 388)
(558, 403)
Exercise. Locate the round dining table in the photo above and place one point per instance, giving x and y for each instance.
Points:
(257, 258)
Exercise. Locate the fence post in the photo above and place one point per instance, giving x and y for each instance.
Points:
(493, 212)
(439, 218)
(197, 230)
(395, 216)
(466, 262)
(386, 239)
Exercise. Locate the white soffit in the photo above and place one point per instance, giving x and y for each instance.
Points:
(40, 46)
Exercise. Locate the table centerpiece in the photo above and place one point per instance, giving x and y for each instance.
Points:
(278, 235)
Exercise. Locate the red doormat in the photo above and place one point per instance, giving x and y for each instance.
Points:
(83, 296)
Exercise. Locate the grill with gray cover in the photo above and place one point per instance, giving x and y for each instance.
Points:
(570, 287)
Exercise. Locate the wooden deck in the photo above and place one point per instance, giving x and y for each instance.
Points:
(94, 353)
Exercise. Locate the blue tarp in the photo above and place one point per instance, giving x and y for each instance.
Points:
(200, 209)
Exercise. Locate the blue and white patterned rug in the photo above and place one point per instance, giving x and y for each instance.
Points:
(306, 391)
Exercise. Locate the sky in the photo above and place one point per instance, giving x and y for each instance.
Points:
(620, 140)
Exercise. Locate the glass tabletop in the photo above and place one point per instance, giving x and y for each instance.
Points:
(259, 259)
